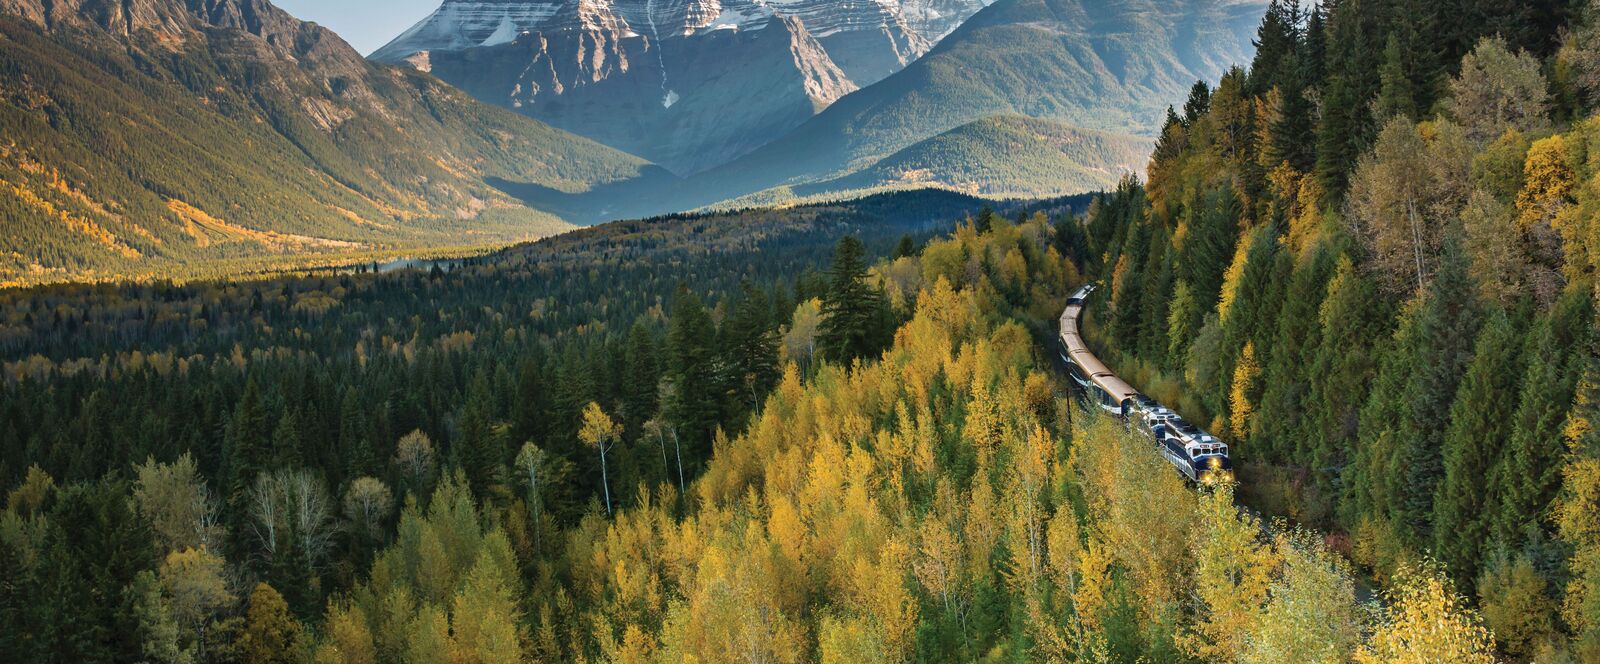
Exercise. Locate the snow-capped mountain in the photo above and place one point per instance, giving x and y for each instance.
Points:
(687, 83)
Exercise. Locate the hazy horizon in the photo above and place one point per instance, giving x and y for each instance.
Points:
(366, 24)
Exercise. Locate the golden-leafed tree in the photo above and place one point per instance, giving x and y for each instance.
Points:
(1232, 572)
(1426, 622)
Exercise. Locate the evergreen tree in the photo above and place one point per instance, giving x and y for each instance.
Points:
(1293, 137)
(853, 311)
(1480, 422)
(1275, 42)
(92, 552)
(696, 394)
(1396, 97)
(1446, 328)
(1198, 104)
(1529, 474)
(907, 246)
(480, 449)
(642, 388)
(1283, 414)
(1314, 52)
(751, 343)
(1366, 487)
(249, 440)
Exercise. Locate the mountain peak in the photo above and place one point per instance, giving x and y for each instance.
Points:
(626, 72)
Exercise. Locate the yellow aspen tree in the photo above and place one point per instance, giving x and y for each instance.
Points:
(1516, 606)
(600, 432)
(1426, 622)
(851, 640)
(937, 565)
(1231, 575)
(271, 635)
(1089, 599)
(346, 639)
(1234, 275)
(982, 530)
(1028, 476)
(1312, 616)
(1577, 517)
(880, 591)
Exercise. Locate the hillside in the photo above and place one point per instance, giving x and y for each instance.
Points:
(1004, 157)
(146, 138)
(1369, 264)
(1101, 66)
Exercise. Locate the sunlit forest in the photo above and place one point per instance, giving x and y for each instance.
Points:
(837, 433)
(1368, 261)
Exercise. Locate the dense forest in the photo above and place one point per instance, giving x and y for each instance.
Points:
(1368, 261)
(833, 433)
(919, 488)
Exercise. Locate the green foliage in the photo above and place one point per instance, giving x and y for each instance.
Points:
(1393, 348)
(1479, 424)
(855, 314)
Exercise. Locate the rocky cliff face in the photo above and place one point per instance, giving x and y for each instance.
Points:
(640, 75)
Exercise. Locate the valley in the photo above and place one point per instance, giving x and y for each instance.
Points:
(791, 331)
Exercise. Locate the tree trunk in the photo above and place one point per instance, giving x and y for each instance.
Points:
(605, 481)
(678, 450)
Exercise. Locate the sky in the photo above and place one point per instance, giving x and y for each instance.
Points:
(366, 24)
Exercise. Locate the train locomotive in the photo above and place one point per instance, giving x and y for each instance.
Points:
(1198, 455)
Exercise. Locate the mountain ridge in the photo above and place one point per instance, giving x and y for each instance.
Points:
(152, 134)
(617, 72)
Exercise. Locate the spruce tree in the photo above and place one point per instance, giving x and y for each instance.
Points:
(480, 447)
(750, 341)
(1282, 415)
(1396, 96)
(247, 451)
(1198, 104)
(1446, 329)
(852, 311)
(1479, 423)
(1293, 133)
(697, 394)
(1275, 42)
(1529, 474)
(1380, 426)
(641, 391)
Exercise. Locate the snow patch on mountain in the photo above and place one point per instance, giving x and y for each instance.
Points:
(505, 34)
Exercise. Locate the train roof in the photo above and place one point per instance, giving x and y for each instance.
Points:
(1096, 370)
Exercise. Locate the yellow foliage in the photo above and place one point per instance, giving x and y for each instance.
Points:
(1426, 623)
(1231, 575)
(1548, 183)
(1235, 273)
(1246, 375)
(1132, 494)
(1311, 616)
(1516, 608)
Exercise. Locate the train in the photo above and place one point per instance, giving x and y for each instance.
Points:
(1198, 456)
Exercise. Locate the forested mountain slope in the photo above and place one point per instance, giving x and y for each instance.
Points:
(1004, 156)
(143, 137)
(1369, 263)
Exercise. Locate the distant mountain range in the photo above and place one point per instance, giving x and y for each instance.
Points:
(149, 136)
(137, 134)
(689, 84)
(1108, 66)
